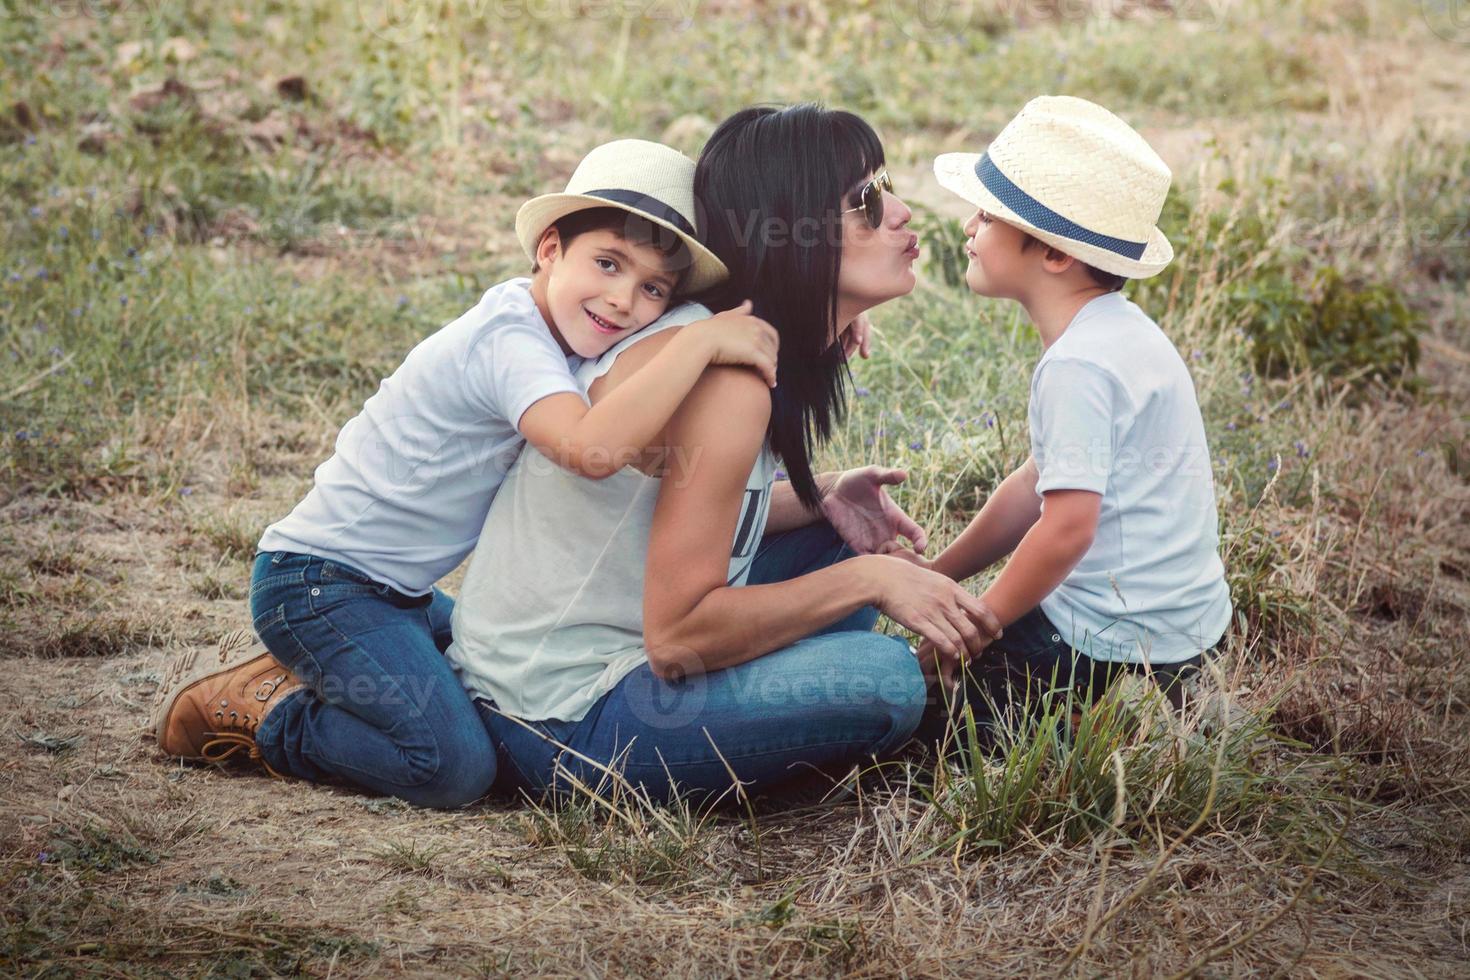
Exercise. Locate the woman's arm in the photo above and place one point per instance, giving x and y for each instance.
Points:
(787, 513)
(693, 622)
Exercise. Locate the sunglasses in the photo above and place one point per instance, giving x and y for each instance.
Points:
(872, 199)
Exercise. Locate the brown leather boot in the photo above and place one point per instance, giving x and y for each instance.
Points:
(212, 711)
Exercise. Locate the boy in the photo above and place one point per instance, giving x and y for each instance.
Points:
(1111, 522)
(355, 684)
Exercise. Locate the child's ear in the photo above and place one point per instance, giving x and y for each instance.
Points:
(1055, 261)
(548, 250)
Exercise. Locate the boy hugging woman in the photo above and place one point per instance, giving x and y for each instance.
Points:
(1109, 525)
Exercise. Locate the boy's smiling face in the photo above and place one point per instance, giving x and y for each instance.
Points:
(599, 289)
(999, 266)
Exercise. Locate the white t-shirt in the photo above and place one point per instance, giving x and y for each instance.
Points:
(550, 617)
(405, 494)
(1113, 411)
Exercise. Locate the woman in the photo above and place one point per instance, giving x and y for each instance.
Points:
(691, 619)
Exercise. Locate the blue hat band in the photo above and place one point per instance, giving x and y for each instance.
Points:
(651, 206)
(1043, 217)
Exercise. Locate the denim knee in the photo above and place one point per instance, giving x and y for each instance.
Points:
(902, 693)
(464, 773)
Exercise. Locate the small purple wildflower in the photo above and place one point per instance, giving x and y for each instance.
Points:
(186, 491)
(122, 301)
(1230, 426)
(780, 474)
(35, 211)
(1302, 450)
(30, 139)
(1196, 354)
(1272, 465)
(56, 351)
(402, 301)
(44, 856)
(861, 392)
(916, 444)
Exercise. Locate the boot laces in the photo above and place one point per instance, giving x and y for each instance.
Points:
(226, 745)
(237, 730)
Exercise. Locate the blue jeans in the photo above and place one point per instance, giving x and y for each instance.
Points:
(837, 697)
(382, 707)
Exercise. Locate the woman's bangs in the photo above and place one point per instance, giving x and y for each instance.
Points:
(855, 147)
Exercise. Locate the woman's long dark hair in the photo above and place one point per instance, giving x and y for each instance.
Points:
(771, 185)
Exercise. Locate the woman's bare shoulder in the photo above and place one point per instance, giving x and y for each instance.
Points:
(728, 403)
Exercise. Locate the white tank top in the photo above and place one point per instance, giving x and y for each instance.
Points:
(550, 617)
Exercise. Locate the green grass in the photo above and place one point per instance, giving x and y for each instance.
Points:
(1123, 770)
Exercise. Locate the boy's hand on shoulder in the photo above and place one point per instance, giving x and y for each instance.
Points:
(738, 338)
(857, 338)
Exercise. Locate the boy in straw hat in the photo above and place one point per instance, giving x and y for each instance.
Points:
(355, 684)
(1111, 522)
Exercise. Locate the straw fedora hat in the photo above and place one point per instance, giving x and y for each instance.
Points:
(650, 180)
(1076, 177)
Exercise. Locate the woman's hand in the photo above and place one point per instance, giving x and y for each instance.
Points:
(959, 625)
(895, 550)
(860, 510)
